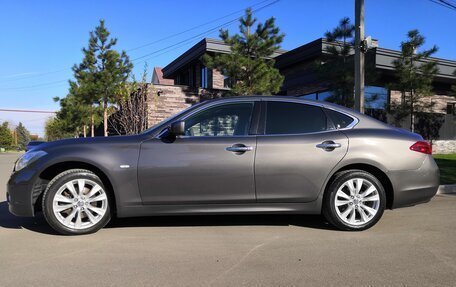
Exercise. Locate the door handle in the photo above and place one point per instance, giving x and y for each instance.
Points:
(239, 148)
(328, 145)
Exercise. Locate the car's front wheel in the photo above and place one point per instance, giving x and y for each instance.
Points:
(355, 200)
(76, 202)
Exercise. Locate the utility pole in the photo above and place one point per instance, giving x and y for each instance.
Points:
(359, 56)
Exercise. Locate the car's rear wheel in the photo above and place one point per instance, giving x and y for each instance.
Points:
(76, 202)
(355, 200)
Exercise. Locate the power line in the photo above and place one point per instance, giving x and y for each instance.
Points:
(34, 76)
(47, 85)
(165, 49)
(203, 33)
(193, 28)
(150, 43)
(27, 111)
(444, 4)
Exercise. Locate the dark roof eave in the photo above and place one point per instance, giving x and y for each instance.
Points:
(198, 50)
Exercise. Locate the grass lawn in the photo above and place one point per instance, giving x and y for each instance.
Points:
(447, 165)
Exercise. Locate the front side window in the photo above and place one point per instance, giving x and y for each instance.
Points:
(223, 120)
(294, 118)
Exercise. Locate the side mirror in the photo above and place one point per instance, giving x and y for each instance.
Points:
(177, 128)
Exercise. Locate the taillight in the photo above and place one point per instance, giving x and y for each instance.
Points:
(422, 146)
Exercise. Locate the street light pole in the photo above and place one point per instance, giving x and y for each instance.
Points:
(359, 56)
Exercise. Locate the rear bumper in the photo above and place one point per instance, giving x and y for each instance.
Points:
(415, 186)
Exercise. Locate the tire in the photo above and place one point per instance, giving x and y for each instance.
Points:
(352, 209)
(70, 212)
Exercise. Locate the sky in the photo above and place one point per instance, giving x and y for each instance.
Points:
(41, 40)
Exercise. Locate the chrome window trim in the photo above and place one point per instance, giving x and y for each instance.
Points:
(253, 100)
(212, 105)
(350, 126)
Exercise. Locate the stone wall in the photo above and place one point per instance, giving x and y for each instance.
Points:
(218, 80)
(444, 147)
(164, 101)
(439, 101)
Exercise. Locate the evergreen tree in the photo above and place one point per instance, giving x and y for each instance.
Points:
(415, 72)
(55, 129)
(23, 136)
(249, 66)
(336, 70)
(73, 114)
(6, 138)
(101, 76)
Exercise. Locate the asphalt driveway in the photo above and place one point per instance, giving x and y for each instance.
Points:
(412, 246)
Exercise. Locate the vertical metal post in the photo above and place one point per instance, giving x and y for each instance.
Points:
(359, 56)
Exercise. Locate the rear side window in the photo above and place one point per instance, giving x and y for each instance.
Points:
(294, 118)
(340, 120)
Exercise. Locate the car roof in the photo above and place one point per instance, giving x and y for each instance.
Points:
(364, 121)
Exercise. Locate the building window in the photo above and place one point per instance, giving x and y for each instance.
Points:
(375, 97)
(318, 96)
(204, 76)
(227, 82)
(451, 109)
(182, 78)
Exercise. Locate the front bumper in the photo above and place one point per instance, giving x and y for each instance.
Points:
(412, 187)
(22, 191)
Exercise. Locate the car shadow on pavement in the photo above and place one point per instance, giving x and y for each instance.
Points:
(37, 224)
(308, 221)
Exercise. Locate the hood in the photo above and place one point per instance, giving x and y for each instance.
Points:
(90, 141)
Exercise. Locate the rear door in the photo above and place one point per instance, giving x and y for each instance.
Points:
(297, 151)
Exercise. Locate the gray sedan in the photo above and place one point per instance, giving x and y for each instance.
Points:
(230, 156)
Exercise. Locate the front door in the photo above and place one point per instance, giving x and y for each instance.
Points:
(212, 163)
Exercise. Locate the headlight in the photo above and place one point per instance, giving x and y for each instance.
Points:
(28, 158)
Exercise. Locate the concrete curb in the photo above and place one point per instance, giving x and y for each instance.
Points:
(447, 189)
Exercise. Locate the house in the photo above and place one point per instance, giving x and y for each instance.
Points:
(186, 80)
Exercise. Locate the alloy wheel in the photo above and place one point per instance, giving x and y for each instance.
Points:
(357, 201)
(80, 203)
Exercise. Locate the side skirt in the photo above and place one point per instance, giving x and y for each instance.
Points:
(313, 207)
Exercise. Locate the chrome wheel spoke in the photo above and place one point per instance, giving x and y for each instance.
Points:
(98, 198)
(61, 198)
(89, 214)
(70, 187)
(342, 202)
(78, 222)
(359, 185)
(364, 216)
(81, 184)
(93, 191)
(346, 212)
(60, 208)
(351, 187)
(370, 210)
(70, 217)
(372, 198)
(95, 209)
(343, 195)
(369, 191)
(352, 216)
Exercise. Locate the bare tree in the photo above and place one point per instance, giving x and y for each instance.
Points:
(131, 112)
